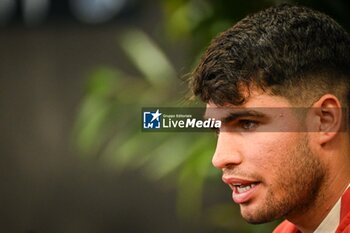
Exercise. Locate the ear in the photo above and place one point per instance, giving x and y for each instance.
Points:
(327, 118)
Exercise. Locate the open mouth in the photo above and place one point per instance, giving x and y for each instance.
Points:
(242, 188)
(243, 193)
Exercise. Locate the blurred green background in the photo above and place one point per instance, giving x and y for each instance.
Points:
(74, 76)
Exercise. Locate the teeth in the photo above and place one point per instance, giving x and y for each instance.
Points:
(243, 188)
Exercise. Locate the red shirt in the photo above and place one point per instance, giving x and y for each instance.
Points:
(344, 226)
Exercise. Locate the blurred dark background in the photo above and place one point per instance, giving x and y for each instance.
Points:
(72, 82)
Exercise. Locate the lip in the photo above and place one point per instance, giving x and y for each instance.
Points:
(241, 198)
(234, 180)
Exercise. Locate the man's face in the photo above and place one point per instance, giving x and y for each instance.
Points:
(265, 160)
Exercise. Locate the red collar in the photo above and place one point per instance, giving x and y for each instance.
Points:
(345, 204)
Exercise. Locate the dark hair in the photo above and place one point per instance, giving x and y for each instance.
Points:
(290, 51)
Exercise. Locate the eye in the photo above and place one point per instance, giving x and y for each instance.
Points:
(248, 125)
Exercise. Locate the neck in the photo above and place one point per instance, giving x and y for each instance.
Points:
(330, 192)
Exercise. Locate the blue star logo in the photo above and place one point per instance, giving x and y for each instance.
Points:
(151, 120)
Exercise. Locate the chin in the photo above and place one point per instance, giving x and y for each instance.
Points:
(255, 220)
(258, 216)
(258, 220)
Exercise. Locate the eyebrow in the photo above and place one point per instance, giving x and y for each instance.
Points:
(244, 113)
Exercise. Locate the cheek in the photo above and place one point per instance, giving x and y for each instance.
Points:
(268, 151)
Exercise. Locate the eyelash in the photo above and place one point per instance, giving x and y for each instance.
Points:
(248, 125)
(242, 125)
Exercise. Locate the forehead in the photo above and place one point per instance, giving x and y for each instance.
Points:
(256, 100)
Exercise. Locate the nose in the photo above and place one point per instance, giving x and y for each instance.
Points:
(227, 152)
